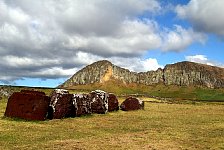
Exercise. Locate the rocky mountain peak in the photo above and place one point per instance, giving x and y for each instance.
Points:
(182, 74)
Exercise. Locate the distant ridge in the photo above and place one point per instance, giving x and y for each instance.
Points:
(180, 74)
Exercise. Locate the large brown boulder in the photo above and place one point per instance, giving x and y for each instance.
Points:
(29, 105)
(99, 102)
(82, 104)
(33, 92)
(61, 105)
(132, 103)
(113, 103)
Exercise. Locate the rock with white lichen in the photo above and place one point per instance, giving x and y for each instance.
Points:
(61, 105)
(82, 104)
(99, 101)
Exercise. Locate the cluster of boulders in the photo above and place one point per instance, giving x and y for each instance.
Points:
(35, 105)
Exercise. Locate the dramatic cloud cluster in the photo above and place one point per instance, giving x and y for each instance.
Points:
(205, 15)
(53, 39)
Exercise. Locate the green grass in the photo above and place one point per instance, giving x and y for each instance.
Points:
(175, 92)
(159, 126)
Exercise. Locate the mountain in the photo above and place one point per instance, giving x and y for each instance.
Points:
(178, 74)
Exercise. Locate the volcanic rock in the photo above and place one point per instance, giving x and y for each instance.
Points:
(82, 104)
(113, 103)
(33, 92)
(99, 102)
(132, 103)
(180, 74)
(29, 105)
(61, 105)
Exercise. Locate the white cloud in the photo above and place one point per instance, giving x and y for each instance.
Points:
(150, 64)
(205, 15)
(133, 37)
(203, 60)
(51, 72)
(13, 15)
(180, 38)
(96, 26)
(10, 32)
(47, 38)
(136, 64)
(51, 68)
(22, 62)
(133, 64)
(199, 59)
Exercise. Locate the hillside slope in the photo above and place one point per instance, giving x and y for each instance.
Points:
(178, 74)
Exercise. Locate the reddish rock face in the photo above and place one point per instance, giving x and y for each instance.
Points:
(132, 103)
(29, 105)
(33, 92)
(113, 103)
(99, 102)
(61, 105)
(82, 104)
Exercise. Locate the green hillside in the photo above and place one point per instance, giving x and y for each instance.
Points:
(175, 92)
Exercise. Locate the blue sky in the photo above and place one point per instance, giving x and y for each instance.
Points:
(43, 43)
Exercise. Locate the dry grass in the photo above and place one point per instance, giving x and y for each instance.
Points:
(159, 126)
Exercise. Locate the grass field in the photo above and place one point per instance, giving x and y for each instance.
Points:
(159, 126)
(175, 92)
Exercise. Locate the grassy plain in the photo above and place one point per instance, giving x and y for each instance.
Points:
(175, 92)
(159, 126)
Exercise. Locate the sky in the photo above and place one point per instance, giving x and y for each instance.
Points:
(44, 42)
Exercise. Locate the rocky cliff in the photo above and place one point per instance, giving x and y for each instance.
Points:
(181, 74)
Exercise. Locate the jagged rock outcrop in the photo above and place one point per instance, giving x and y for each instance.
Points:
(181, 74)
(189, 73)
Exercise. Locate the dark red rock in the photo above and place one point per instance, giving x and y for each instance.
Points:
(113, 103)
(61, 105)
(132, 103)
(33, 92)
(82, 104)
(99, 102)
(30, 105)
